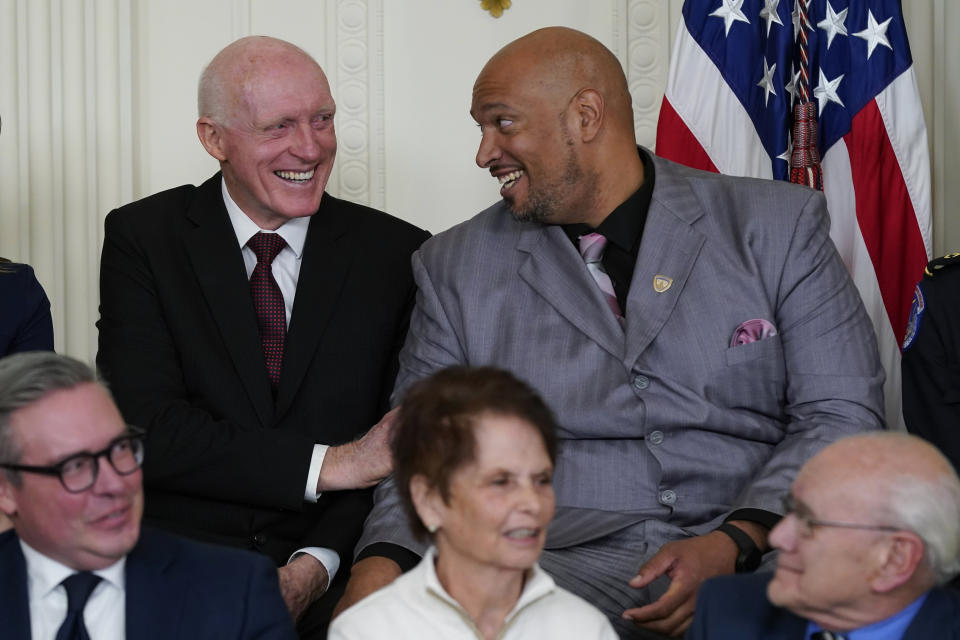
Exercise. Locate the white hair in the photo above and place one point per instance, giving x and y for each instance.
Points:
(930, 508)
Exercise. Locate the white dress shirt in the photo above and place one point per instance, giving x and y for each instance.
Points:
(104, 614)
(286, 271)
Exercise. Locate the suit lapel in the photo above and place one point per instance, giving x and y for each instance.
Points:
(154, 604)
(218, 263)
(668, 251)
(323, 272)
(774, 622)
(14, 604)
(790, 627)
(937, 618)
(555, 270)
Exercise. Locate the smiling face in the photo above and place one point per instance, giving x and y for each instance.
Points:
(500, 503)
(88, 530)
(828, 569)
(277, 145)
(527, 144)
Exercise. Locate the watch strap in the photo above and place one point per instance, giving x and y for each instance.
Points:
(745, 545)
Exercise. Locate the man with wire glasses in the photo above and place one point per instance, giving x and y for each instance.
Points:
(76, 565)
(870, 535)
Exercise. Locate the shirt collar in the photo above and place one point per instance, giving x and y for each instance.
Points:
(293, 231)
(45, 574)
(891, 628)
(624, 225)
(537, 585)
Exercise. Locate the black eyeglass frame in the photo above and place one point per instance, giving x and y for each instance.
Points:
(134, 435)
(790, 508)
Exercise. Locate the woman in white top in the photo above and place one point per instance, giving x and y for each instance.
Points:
(473, 454)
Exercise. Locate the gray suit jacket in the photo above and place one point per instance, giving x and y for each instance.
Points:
(661, 421)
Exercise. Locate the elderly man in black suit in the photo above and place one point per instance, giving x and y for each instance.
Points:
(251, 325)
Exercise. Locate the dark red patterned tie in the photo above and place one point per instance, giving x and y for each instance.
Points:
(268, 302)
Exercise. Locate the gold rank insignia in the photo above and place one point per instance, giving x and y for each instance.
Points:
(935, 265)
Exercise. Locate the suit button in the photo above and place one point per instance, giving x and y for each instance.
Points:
(668, 497)
(655, 437)
(259, 540)
(641, 382)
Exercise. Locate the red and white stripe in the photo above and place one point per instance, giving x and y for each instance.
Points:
(876, 180)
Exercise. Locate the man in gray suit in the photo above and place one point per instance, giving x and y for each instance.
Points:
(717, 344)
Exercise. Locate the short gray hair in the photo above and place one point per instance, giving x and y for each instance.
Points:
(930, 507)
(25, 378)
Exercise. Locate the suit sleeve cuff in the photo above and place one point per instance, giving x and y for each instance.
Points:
(760, 516)
(329, 558)
(401, 555)
(310, 493)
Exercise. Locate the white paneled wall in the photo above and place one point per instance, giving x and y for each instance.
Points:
(98, 102)
(65, 147)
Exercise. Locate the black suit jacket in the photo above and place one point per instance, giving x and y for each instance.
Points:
(736, 608)
(175, 588)
(25, 322)
(180, 348)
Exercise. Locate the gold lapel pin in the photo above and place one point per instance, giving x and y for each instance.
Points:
(661, 283)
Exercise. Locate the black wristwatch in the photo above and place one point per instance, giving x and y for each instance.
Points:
(748, 556)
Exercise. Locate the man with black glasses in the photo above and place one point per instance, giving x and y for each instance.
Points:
(870, 535)
(76, 565)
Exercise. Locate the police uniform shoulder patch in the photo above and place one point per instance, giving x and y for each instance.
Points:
(938, 264)
(916, 314)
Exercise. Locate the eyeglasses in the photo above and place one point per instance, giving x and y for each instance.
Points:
(808, 524)
(79, 472)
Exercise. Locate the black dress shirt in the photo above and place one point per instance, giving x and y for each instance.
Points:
(623, 229)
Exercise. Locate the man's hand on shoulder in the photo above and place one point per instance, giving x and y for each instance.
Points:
(361, 463)
(367, 576)
(302, 581)
(687, 563)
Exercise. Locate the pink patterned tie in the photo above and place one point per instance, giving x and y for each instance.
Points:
(591, 249)
(268, 302)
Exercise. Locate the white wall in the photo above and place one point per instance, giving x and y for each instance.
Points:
(433, 53)
(98, 105)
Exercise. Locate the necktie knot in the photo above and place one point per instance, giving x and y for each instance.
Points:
(266, 246)
(592, 246)
(591, 250)
(827, 635)
(79, 586)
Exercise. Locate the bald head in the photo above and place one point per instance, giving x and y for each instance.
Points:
(876, 457)
(901, 480)
(225, 82)
(874, 524)
(267, 116)
(559, 62)
(557, 128)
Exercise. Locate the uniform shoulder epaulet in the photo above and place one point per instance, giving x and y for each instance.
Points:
(938, 264)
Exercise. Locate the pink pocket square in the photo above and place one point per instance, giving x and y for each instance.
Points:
(751, 331)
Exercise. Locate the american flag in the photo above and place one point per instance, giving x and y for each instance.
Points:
(738, 70)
